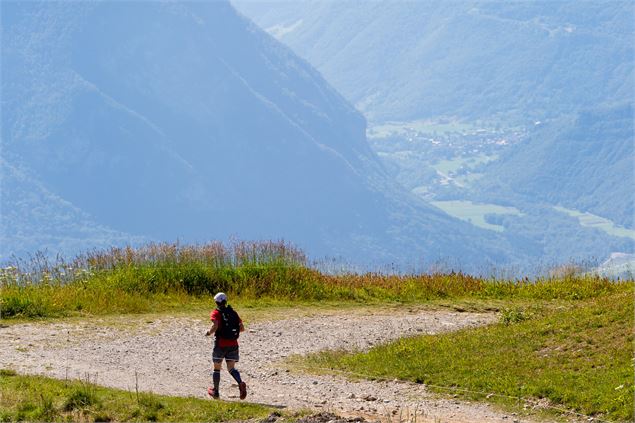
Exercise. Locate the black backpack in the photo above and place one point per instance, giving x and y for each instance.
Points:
(230, 325)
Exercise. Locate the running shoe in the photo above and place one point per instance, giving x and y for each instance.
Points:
(212, 393)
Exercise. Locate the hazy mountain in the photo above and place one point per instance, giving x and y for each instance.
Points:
(34, 219)
(550, 74)
(520, 60)
(584, 162)
(184, 120)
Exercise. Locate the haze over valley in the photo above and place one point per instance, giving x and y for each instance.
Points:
(165, 130)
(374, 133)
(529, 134)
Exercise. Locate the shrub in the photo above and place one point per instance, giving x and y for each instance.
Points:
(150, 402)
(22, 305)
(8, 373)
(46, 410)
(513, 315)
(80, 398)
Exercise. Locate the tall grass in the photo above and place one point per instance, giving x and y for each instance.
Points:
(163, 276)
(39, 268)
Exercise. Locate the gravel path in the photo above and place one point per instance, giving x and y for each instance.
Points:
(171, 356)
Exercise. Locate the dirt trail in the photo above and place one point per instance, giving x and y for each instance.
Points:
(171, 356)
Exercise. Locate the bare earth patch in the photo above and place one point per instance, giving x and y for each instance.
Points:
(171, 356)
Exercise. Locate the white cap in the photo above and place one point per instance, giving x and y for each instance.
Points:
(220, 297)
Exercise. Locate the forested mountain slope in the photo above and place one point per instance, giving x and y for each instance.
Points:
(517, 61)
(34, 219)
(538, 92)
(584, 162)
(185, 121)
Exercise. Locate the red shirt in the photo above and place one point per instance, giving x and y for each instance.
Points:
(222, 342)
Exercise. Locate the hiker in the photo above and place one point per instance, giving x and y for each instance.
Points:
(226, 327)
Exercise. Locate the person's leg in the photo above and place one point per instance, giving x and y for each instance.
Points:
(216, 376)
(217, 358)
(233, 370)
(231, 359)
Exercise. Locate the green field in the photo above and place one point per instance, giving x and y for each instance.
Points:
(447, 167)
(593, 221)
(475, 213)
(423, 126)
(577, 357)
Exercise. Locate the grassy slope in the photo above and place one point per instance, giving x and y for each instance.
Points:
(575, 350)
(579, 357)
(35, 398)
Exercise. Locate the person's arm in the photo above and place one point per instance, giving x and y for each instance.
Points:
(242, 327)
(212, 329)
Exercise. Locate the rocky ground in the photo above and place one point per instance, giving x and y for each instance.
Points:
(170, 355)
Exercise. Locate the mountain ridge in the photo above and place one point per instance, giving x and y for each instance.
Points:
(518, 61)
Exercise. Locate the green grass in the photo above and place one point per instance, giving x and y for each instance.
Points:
(41, 399)
(566, 340)
(593, 221)
(169, 278)
(448, 167)
(475, 213)
(578, 357)
(425, 126)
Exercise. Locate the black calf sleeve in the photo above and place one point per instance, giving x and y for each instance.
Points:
(235, 374)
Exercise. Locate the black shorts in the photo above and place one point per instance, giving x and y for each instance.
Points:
(227, 353)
